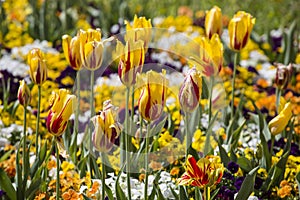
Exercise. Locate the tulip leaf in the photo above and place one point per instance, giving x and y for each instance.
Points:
(244, 164)
(194, 120)
(247, 186)
(7, 186)
(182, 193)
(19, 175)
(207, 146)
(119, 192)
(5, 156)
(236, 136)
(34, 186)
(174, 193)
(223, 154)
(157, 125)
(108, 192)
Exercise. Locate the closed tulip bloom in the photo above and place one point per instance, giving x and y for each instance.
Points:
(107, 128)
(24, 94)
(278, 123)
(153, 95)
(37, 66)
(283, 75)
(71, 48)
(213, 22)
(190, 91)
(204, 173)
(239, 28)
(62, 106)
(140, 29)
(132, 58)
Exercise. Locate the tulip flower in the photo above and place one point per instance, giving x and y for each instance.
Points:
(278, 123)
(153, 96)
(239, 28)
(204, 173)
(24, 94)
(213, 22)
(131, 60)
(37, 66)
(211, 55)
(190, 91)
(71, 48)
(62, 106)
(139, 30)
(107, 128)
(283, 75)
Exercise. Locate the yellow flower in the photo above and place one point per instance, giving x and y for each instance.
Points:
(107, 128)
(24, 94)
(213, 22)
(139, 30)
(132, 58)
(71, 48)
(190, 91)
(204, 173)
(62, 105)
(239, 28)
(278, 123)
(153, 95)
(37, 65)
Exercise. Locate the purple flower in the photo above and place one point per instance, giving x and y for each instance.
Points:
(233, 167)
(238, 182)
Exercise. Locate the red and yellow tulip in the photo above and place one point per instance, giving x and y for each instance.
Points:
(239, 28)
(213, 22)
(62, 106)
(71, 48)
(190, 91)
(24, 94)
(107, 128)
(37, 66)
(283, 75)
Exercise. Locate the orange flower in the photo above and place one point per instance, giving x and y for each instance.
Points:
(285, 189)
(71, 195)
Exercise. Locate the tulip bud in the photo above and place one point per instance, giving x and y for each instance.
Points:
(132, 58)
(62, 106)
(190, 91)
(213, 22)
(278, 123)
(153, 95)
(24, 94)
(107, 128)
(283, 75)
(71, 48)
(239, 28)
(37, 65)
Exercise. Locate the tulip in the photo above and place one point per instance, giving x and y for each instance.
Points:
(139, 30)
(107, 128)
(131, 61)
(153, 95)
(278, 123)
(37, 65)
(62, 106)
(24, 94)
(204, 173)
(213, 22)
(283, 75)
(239, 28)
(71, 48)
(190, 91)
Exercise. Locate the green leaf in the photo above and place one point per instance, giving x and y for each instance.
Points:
(244, 164)
(236, 136)
(34, 186)
(108, 192)
(207, 146)
(7, 186)
(119, 192)
(182, 193)
(157, 127)
(247, 186)
(5, 156)
(174, 193)
(223, 154)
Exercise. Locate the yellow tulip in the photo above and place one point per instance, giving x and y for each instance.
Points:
(71, 48)
(278, 123)
(107, 128)
(62, 106)
(239, 28)
(190, 91)
(24, 94)
(37, 66)
(153, 95)
(213, 22)
(132, 58)
(140, 29)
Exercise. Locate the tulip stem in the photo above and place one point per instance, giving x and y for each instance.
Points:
(38, 122)
(127, 142)
(210, 97)
(197, 194)
(206, 193)
(188, 135)
(57, 171)
(76, 122)
(233, 84)
(103, 176)
(92, 114)
(24, 142)
(146, 162)
(278, 95)
(272, 144)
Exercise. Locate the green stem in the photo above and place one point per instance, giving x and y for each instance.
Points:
(233, 84)
(210, 98)
(91, 125)
(207, 193)
(272, 145)
(57, 172)
(188, 135)
(127, 137)
(24, 143)
(146, 162)
(76, 121)
(278, 95)
(197, 194)
(103, 177)
(38, 122)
